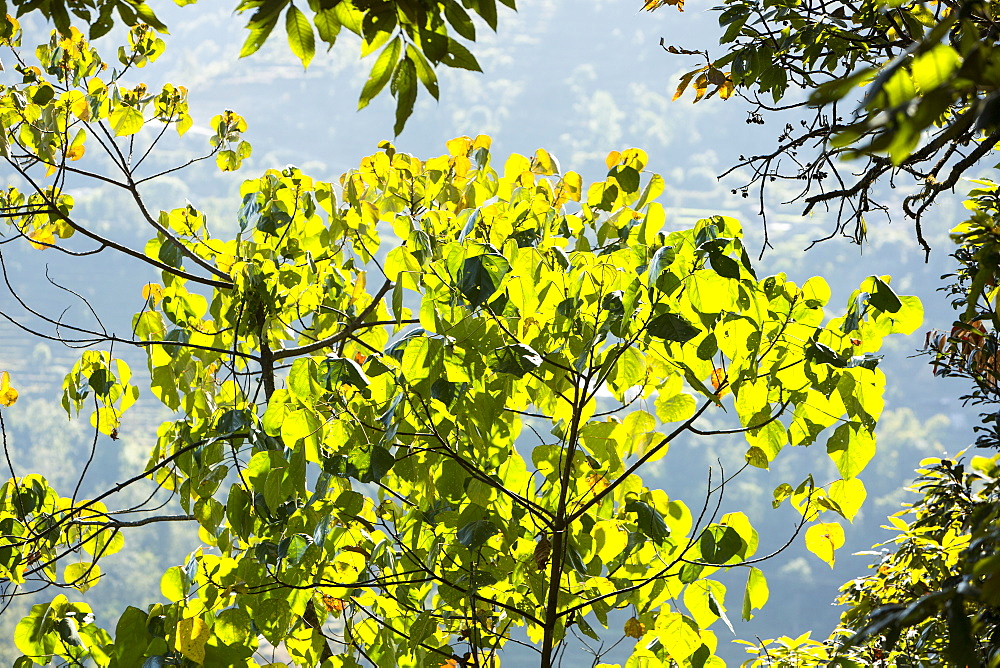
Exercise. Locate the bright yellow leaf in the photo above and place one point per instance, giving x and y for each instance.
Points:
(569, 188)
(482, 141)
(225, 261)
(635, 158)
(191, 636)
(8, 395)
(41, 238)
(459, 146)
(152, 291)
(461, 165)
(824, 539)
(543, 163)
(359, 288)
(80, 107)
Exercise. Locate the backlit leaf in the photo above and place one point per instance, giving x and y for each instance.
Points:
(126, 120)
(82, 575)
(824, 540)
(300, 35)
(755, 594)
(380, 73)
(190, 639)
(8, 395)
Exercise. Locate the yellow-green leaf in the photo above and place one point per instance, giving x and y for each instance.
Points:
(300, 35)
(126, 121)
(401, 265)
(849, 495)
(933, 67)
(697, 597)
(678, 635)
(380, 73)
(82, 575)
(303, 425)
(851, 447)
(172, 584)
(675, 408)
(756, 593)
(824, 540)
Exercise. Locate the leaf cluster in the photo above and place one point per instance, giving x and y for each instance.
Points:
(412, 37)
(905, 89)
(932, 599)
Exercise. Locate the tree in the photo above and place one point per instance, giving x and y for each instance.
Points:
(924, 73)
(413, 35)
(932, 599)
(354, 417)
(928, 111)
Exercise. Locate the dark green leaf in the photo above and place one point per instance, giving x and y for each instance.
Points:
(350, 502)
(708, 347)
(724, 265)
(650, 521)
(884, 298)
(459, 56)
(404, 89)
(961, 645)
(488, 10)
(460, 20)
(170, 254)
(43, 95)
(337, 371)
(627, 177)
(378, 23)
(720, 543)
(672, 327)
(370, 465)
(475, 533)
(690, 573)
(480, 277)
(516, 360)
(233, 421)
(434, 45)
(586, 629)
(823, 354)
